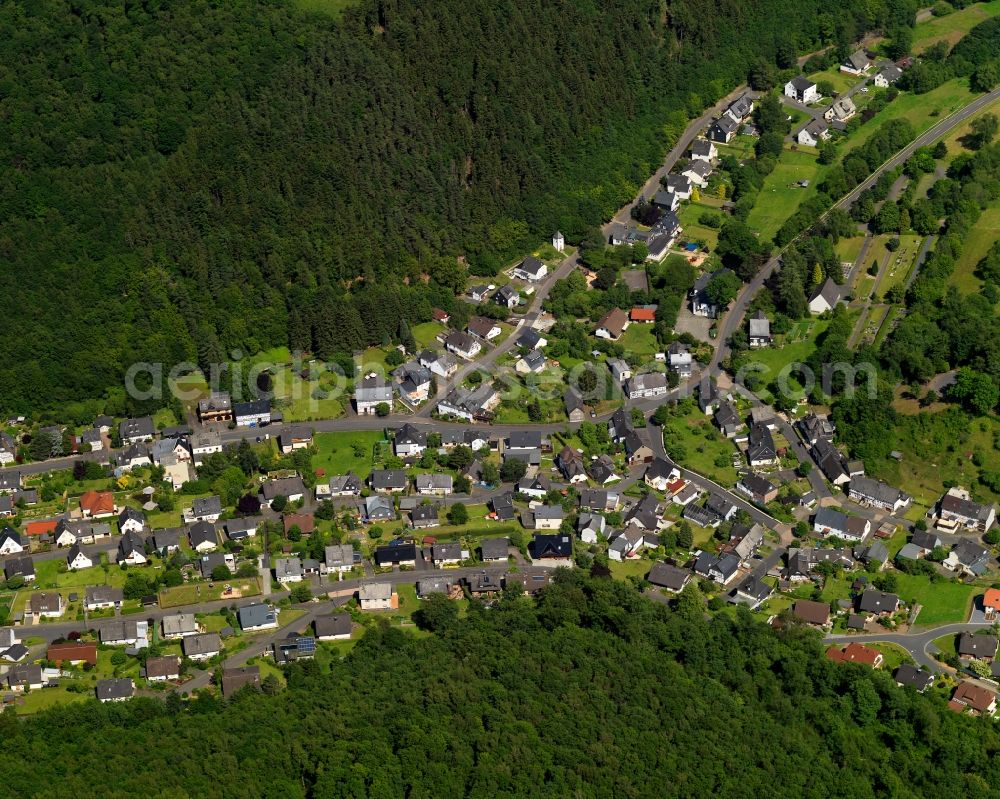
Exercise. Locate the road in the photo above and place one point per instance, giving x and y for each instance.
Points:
(916, 643)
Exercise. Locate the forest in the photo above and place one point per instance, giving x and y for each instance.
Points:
(592, 691)
(179, 180)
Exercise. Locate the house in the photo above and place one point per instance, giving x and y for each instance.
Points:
(503, 507)
(203, 444)
(968, 558)
(874, 493)
(663, 234)
(257, 617)
(703, 150)
(667, 577)
(626, 544)
(620, 370)
(761, 450)
(378, 509)
(744, 542)
(720, 568)
(11, 542)
(659, 473)
(701, 303)
(877, 603)
(27, 677)
(759, 330)
(439, 364)
(288, 570)
(217, 408)
(335, 627)
(552, 550)
(424, 516)
(167, 540)
(831, 462)
(558, 242)
(698, 172)
(161, 669)
(47, 605)
(103, 597)
(825, 297)
(463, 345)
(448, 554)
(590, 526)
(815, 427)
(180, 625)
(436, 484)
(76, 558)
(202, 646)
(91, 440)
(855, 653)
(10, 481)
(479, 293)
(547, 517)
(204, 509)
(925, 541)
(973, 699)
(857, 63)
(886, 76)
(131, 520)
(531, 339)
(396, 554)
(599, 500)
(375, 596)
(22, 567)
(723, 130)
(388, 480)
(125, 632)
(570, 463)
(530, 269)
(291, 488)
(507, 296)
(645, 513)
(345, 485)
(236, 678)
(956, 510)
(636, 449)
(758, 488)
(409, 441)
(643, 314)
(134, 456)
(202, 537)
(813, 133)
(841, 110)
(73, 653)
(720, 506)
(802, 89)
(338, 558)
(494, 550)
(97, 504)
(751, 592)
(413, 382)
(680, 359)
(727, 419)
(602, 470)
(531, 363)
(371, 392)
(810, 612)
(483, 328)
(647, 385)
(666, 200)
(832, 523)
(573, 403)
(612, 324)
(977, 647)
(242, 529)
(470, 405)
(132, 431)
(253, 413)
(741, 108)
(679, 185)
(295, 438)
(917, 679)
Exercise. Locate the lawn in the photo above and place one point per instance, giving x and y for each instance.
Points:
(848, 250)
(895, 266)
(36, 701)
(703, 444)
(425, 334)
(194, 593)
(780, 196)
(339, 453)
(48, 574)
(294, 396)
(893, 655)
(977, 243)
(637, 567)
(693, 229)
(952, 27)
(840, 81)
(923, 110)
(953, 140)
(941, 602)
(794, 347)
(948, 646)
(639, 340)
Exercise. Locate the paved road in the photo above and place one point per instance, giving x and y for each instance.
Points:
(916, 643)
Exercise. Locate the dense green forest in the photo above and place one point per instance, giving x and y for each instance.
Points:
(596, 691)
(181, 179)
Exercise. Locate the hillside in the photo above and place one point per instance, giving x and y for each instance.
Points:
(178, 180)
(596, 692)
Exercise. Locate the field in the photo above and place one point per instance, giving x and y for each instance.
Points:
(848, 250)
(895, 266)
(984, 233)
(952, 27)
(200, 592)
(639, 340)
(335, 452)
(922, 110)
(295, 396)
(940, 602)
(425, 334)
(780, 197)
(932, 455)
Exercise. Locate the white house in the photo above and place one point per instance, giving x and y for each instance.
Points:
(530, 269)
(813, 133)
(558, 242)
(463, 345)
(825, 297)
(856, 64)
(375, 596)
(371, 392)
(886, 76)
(649, 384)
(697, 172)
(76, 558)
(254, 413)
(703, 150)
(802, 89)
(841, 110)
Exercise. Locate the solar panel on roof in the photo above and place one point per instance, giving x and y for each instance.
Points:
(306, 645)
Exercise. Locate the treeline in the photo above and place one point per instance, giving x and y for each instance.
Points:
(976, 56)
(183, 179)
(594, 691)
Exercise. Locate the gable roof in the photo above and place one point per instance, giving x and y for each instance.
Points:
(614, 322)
(666, 576)
(811, 612)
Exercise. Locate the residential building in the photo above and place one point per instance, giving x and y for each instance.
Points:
(574, 405)
(973, 699)
(969, 558)
(203, 537)
(131, 520)
(813, 132)
(434, 484)
(840, 111)
(530, 269)
(409, 441)
(338, 558)
(612, 324)
(552, 550)
(103, 597)
(216, 408)
(204, 509)
(294, 438)
(202, 646)
(396, 554)
(758, 488)
(957, 511)
(507, 296)
(378, 509)
(335, 627)
(548, 517)
(723, 130)
(810, 612)
(977, 646)
(832, 523)
(291, 488)
(375, 596)
(703, 150)
(481, 327)
(874, 493)
(886, 76)
(125, 632)
(752, 592)
(132, 549)
(910, 675)
(856, 653)
(494, 550)
(76, 558)
(667, 577)
(97, 504)
(47, 605)
(371, 392)
(647, 385)
(180, 625)
(759, 327)
(447, 554)
(531, 363)
(257, 617)
(236, 678)
(161, 669)
(802, 89)
(825, 298)
(761, 450)
(72, 653)
(132, 431)
(388, 480)
(857, 63)
(620, 370)
(878, 603)
(463, 345)
(255, 413)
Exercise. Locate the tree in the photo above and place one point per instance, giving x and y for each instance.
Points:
(279, 503)
(436, 614)
(983, 130)
(491, 474)
(976, 390)
(458, 514)
(685, 535)
(270, 685)
(221, 572)
(513, 469)
(382, 409)
(300, 593)
(723, 288)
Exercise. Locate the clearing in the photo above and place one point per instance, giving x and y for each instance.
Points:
(781, 196)
(952, 27)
